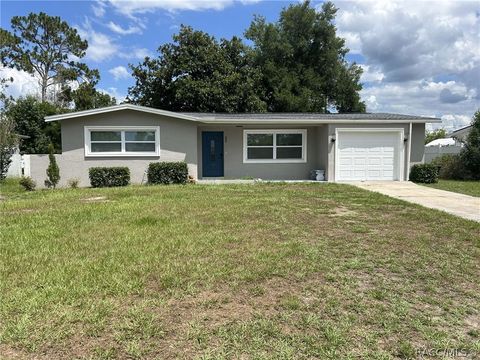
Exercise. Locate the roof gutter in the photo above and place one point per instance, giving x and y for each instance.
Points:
(312, 122)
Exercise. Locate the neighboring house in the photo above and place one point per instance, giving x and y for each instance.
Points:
(450, 145)
(270, 146)
(442, 142)
(460, 135)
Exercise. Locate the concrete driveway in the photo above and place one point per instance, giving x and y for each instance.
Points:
(465, 206)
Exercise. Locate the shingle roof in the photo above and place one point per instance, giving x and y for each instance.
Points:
(258, 118)
(305, 116)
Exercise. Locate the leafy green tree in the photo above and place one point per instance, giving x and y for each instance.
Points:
(471, 153)
(435, 134)
(8, 143)
(53, 172)
(28, 116)
(86, 97)
(46, 47)
(4, 97)
(198, 73)
(302, 62)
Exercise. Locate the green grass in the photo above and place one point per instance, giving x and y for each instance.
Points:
(10, 186)
(268, 271)
(463, 187)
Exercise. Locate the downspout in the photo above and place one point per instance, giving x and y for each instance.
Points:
(409, 150)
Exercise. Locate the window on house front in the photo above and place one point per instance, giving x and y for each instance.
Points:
(274, 146)
(114, 141)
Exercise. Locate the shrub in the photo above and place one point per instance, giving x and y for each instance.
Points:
(109, 176)
(424, 173)
(8, 143)
(53, 172)
(167, 173)
(73, 183)
(27, 183)
(451, 167)
(470, 154)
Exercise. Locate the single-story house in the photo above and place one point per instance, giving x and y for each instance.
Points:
(460, 135)
(270, 146)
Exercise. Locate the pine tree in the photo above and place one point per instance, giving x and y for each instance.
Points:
(53, 172)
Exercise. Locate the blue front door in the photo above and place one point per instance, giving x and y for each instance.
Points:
(212, 153)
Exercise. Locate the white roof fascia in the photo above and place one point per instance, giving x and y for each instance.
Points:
(312, 121)
(117, 108)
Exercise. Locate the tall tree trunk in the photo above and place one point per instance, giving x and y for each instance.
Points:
(44, 89)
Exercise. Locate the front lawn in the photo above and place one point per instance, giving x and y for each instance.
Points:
(463, 187)
(10, 186)
(271, 271)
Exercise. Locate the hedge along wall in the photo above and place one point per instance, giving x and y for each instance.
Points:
(74, 167)
(167, 173)
(109, 176)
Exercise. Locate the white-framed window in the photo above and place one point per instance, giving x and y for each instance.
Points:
(275, 146)
(122, 141)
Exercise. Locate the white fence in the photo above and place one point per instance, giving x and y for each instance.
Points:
(20, 166)
(432, 152)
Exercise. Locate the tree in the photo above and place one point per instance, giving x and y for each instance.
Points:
(46, 47)
(86, 97)
(302, 62)
(28, 116)
(434, 135)
(197, 73)
(53, 172)
(470, 154)
(4, 98)
(8, 143)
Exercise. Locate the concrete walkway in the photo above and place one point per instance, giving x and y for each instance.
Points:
(465, 206)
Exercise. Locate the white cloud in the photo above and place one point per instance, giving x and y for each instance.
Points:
(421, 57)
(113, 91)
(422, 98)
(370, 74)
(100, 46)
(23, 83)
(119, 72)
(119, 30)
(452, 122)
(98, 8)
(414, 40)
(134, 7)
(135, 54)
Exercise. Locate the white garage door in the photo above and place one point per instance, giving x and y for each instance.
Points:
(363, 155)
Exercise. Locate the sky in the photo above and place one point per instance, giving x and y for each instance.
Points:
(419, 57)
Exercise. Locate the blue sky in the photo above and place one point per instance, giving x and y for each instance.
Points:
(417, 58)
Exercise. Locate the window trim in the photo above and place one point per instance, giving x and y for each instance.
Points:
(123, 152)
(274, 132)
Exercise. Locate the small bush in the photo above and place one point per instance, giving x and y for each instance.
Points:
(73, 183)
(451, 167)
(424, 173)
(167, 173)
(53, 172)
(27, 183)
(109, 176)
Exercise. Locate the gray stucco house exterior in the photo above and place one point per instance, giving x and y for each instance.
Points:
(270, 146)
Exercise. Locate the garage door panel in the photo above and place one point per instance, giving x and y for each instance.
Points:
(358, 174)
(359, 161)
(388, 161)
(368, 155)
(346, 173)
(346, 161)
